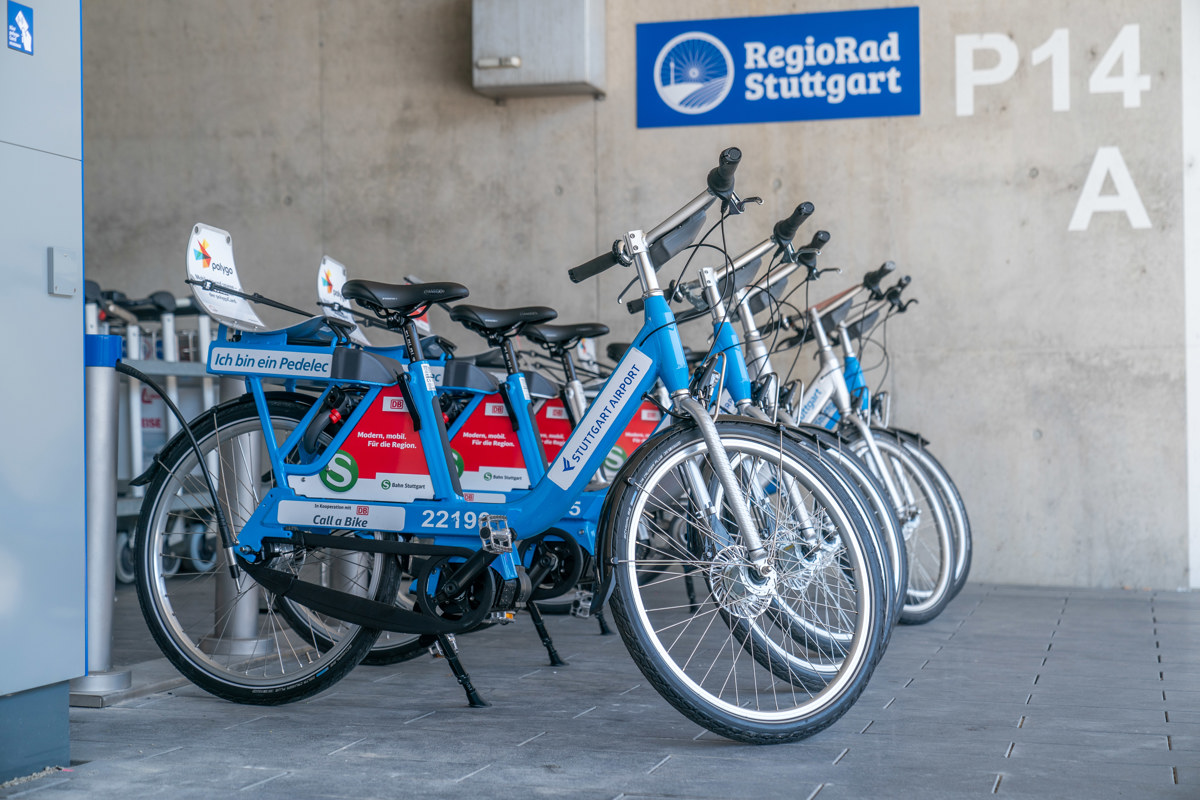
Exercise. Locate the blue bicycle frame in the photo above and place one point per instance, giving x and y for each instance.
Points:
(446, 517)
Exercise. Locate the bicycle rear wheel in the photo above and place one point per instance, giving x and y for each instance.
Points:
(751, 658)
(225, 635)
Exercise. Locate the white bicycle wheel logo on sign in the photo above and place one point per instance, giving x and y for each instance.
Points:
(693, 73)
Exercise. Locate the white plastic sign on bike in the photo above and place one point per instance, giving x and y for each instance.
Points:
(210, 259)
(331, 276)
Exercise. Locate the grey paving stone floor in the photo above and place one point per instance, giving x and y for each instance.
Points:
(1011, 693)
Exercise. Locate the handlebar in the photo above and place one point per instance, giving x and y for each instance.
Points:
(871, 279)
(720, 177)
(819, 240)
(720, 184)
(893, 294)
(596, 265)
(781, 235)
(785, 229)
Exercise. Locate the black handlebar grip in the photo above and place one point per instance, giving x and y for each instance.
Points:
(720, 177)
(635, 305)
(786, 229)
(893, 294)
(819, 240)
(593, 267)
(871, 279)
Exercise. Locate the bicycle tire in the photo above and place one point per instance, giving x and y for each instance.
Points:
(192, 616)
(654, 633)
(924, 520)
(964, 547)
(891, 544)
(816, 637)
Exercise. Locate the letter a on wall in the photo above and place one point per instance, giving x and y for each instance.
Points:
(1108, 162)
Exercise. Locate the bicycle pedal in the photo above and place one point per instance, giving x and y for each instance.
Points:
(436, 650)
(502, 617)
(495, 533)
(581, 604)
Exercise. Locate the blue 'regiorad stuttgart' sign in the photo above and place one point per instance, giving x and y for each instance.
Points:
(778, 69)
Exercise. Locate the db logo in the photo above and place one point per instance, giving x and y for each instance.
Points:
(394, 404)
(362, 511)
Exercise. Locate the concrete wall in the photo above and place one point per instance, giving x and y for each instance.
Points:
(1046, 365)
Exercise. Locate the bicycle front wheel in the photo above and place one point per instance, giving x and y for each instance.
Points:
(748, 655)
(924, 523)
(957, 510)
(226, 634)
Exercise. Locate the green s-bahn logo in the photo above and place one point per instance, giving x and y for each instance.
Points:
(615, 458)
(341, 473)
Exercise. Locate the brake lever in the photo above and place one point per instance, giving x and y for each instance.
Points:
(734, 205)
(628, 286)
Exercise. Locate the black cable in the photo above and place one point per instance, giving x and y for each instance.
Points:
(695, 248)
(222, 524)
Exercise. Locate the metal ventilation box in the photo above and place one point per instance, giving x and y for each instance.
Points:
(526, 48)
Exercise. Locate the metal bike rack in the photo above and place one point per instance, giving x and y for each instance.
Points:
(237, 607)
(101, 354)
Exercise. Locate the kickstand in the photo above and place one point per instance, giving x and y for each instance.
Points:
(449, 651)
(604, 629)
(691, 589)
(538, 622)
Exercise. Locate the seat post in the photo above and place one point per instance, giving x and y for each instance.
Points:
(412, 340)
(510, 355)
(568, 363)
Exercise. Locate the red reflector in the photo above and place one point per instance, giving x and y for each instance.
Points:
(335, 416)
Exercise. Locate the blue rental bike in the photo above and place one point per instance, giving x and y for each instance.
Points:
(324, 520)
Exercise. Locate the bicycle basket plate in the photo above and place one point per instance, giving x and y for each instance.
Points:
(331, 276)
(210, 260)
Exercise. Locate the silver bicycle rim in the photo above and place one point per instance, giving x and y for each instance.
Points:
(701, 650)
(207, 617)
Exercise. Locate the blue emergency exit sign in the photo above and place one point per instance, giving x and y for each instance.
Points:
(20, 28)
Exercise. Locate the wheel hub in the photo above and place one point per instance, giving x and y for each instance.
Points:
(737, 587)
(798, 563)
(912, 521)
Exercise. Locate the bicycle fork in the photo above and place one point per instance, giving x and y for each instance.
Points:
(719, 460)
(841, 400)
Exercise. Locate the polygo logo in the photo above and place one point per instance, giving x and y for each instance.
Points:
(693, 72)
(202, 254)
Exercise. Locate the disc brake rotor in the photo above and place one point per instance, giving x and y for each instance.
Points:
(736, 587)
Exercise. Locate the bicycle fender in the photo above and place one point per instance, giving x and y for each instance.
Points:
(604, 535)
(910, 436)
